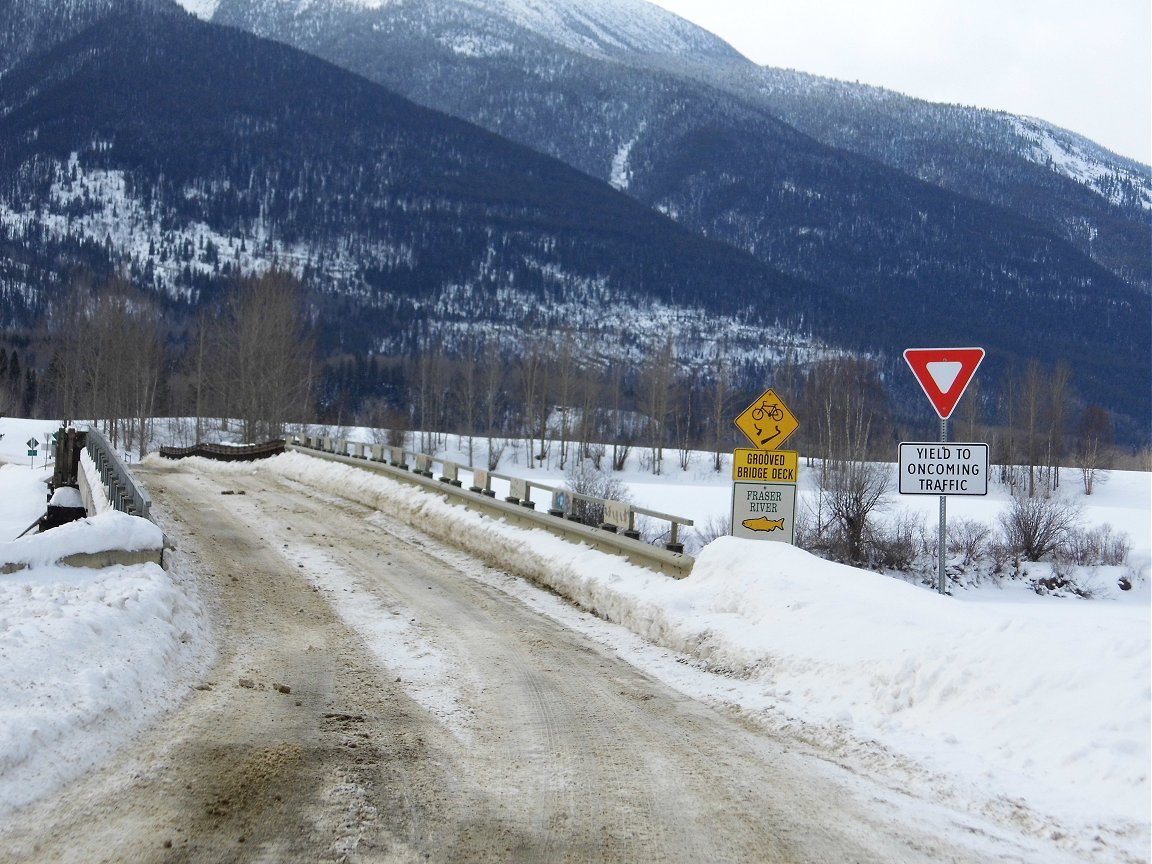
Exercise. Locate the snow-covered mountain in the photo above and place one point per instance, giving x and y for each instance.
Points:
(598, 28)
(589, 82)
(182, 153)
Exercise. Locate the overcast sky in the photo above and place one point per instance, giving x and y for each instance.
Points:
(1085, 65)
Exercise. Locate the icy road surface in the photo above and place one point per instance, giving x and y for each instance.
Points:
(374, 701)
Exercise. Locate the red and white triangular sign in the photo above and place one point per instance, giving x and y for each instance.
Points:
(944, 374)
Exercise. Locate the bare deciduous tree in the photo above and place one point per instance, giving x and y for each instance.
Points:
(849, 412)
(1093, 445)
(493, 378)
(567, 372)
(657, 376)
(113, 365)
(720, 410)
(534, 401)
(1037, 526)
(262, 357)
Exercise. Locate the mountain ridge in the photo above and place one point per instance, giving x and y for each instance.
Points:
(1085, 196)
(389, 202)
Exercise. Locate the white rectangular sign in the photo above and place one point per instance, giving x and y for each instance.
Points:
(764, 511)
(933, 468)
(616, 513)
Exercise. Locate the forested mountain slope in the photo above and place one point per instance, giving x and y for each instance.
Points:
(948, 233)
(139, 139)
(549, 74)
(190, 152)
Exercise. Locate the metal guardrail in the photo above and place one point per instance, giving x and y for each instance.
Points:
(619, 535)
(226, 452)
(124, 493)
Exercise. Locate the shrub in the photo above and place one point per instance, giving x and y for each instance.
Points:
(896, 546)
(702, 535)
(1099, 545)
(1038, 526)
(968, 539)
(584, 479)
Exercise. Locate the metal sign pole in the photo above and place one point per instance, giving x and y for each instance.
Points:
(942, 586)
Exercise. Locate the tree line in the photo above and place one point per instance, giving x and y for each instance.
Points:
(110, 352)
(116, 357)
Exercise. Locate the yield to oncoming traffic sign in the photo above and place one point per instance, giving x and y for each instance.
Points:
(928, 468)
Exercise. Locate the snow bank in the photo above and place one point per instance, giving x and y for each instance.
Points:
(88, 658)
(1056, 693)
(111, 530)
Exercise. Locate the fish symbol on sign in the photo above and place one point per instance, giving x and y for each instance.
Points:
(763, 523)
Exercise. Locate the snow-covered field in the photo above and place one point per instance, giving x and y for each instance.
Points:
(1033, 711)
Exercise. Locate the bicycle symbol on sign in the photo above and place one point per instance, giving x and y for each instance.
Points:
(768, 409)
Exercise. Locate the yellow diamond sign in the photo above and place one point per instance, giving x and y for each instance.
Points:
(767, 422)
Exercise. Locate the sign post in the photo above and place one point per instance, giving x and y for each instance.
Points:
(764, 478)
(942, 541)
(944, 375)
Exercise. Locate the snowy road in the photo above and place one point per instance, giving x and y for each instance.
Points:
(373, 702)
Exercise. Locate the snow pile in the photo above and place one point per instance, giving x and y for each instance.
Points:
(67, 496)
(88, 657)
(1003, 685)
(107, 531)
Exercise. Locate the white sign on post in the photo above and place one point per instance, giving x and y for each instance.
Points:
(934, 468)
(764, 511)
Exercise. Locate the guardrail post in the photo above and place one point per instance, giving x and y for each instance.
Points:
(631, 531)
(517, 490)
(559, 507)
(674, 545)
(482, 482)
(451, 474)
(423, 465)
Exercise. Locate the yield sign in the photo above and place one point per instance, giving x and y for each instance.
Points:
(944, 374)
